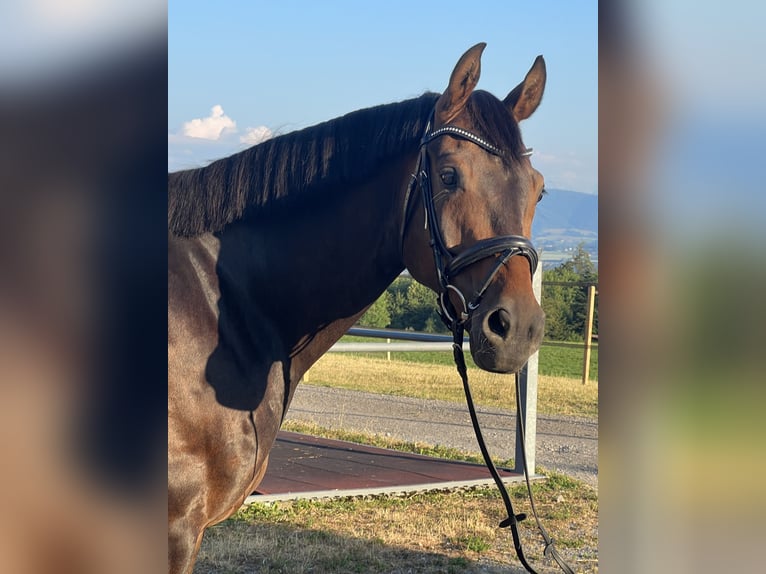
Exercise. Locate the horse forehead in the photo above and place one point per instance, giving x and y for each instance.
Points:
(473, 160)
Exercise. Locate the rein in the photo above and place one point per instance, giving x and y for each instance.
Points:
(513, 519)
(448, 266)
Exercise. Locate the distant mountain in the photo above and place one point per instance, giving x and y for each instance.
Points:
(563, 220)
(566, 210)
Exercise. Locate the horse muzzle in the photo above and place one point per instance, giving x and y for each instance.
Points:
(504, 336)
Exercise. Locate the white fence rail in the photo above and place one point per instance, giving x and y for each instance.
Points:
(417, 341)
(391, 347)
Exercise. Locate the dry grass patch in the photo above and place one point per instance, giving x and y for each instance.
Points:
(556, 395)
(426, 533)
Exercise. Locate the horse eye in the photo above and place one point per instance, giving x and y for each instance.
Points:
(448, 177)
(542, 194)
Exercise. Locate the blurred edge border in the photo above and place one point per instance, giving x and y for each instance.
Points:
(83, 299)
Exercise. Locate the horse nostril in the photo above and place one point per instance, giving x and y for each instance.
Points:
(499, 323)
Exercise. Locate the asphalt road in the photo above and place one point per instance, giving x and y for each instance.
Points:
(565, 444)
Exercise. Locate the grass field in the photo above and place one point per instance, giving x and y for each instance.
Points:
(553, 361)
(426, 380)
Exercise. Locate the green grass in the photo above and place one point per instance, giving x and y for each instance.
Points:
(567, 362)
(554, 361)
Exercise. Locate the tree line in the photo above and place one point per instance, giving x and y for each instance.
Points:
(408, 305)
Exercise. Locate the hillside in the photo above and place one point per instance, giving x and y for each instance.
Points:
(563, 220)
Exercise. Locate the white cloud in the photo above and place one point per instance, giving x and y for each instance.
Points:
(203, 140)
(257, 135)
(211, 127)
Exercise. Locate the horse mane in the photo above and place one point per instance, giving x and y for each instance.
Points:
(342, 151)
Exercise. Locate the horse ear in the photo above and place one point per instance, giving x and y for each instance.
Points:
(524, 98)
(462, 82)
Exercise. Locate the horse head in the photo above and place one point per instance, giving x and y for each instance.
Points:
(479, 193)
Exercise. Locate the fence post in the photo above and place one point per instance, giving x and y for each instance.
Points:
(528, 396)
(588, 333)
(388, 353)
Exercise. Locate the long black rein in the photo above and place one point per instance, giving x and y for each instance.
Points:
(513, 519)
(448, 266)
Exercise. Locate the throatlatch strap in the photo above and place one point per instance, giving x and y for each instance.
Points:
(513, 519)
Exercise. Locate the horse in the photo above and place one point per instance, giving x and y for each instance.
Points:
(276, 251)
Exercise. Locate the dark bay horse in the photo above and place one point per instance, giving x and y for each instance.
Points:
(274, 252)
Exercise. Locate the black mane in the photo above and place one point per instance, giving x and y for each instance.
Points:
(340, 151)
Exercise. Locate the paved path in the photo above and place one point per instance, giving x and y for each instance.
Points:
(565, 444)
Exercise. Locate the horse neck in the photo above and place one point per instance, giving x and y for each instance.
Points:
(314, 271)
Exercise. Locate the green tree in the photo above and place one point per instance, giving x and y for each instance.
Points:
(565, 306)
(582, 264)
(397, 302)
(412, 306)
(377, 315)
(558, 301)
(422, 314)
(587, 271)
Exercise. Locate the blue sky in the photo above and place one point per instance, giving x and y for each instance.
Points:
(242, 69)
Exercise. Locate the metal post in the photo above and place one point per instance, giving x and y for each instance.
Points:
(388, 353)
(528, 396)
(588, 333)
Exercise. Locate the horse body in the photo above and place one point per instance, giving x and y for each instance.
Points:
(232, 298)
(257, 296)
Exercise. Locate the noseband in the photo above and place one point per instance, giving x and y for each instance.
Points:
(449, 265)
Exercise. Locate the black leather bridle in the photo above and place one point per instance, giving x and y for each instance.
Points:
(449, 266)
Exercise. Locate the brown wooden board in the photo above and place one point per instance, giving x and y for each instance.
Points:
(304, 464)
